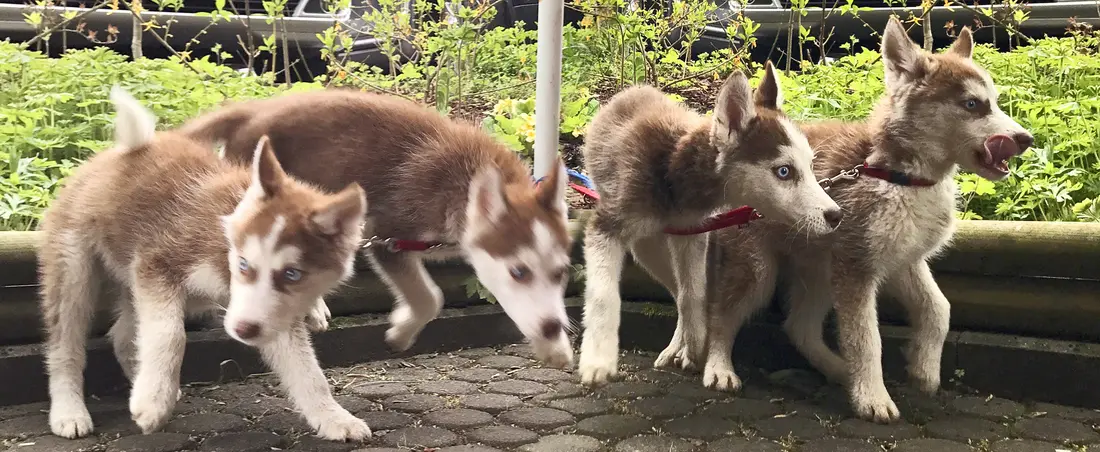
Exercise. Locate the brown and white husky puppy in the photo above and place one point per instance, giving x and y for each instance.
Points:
(183, 232)
(939, 112)
(430, 180)
(658, 164)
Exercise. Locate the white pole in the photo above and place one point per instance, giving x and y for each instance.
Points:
(548, 85)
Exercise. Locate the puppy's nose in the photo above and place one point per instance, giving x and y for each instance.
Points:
(1024, 140)
(833, 217)
(550, 329)
(247, 330)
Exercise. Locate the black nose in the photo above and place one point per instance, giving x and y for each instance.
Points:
(551, 329)
(833, 217)
(1024, 140)
(247, 330)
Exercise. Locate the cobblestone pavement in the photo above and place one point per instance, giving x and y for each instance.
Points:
(497, 399)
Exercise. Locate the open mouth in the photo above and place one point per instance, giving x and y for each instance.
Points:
(996, 152)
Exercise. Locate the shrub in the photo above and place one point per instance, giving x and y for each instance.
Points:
(55, 113)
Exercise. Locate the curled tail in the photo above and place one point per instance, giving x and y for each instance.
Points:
(135, 125)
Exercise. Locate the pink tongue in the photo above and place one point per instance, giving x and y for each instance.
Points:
(1000, 147)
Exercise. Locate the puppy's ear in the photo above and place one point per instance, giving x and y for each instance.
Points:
(551, 191)
(901, 57)
(733, 109)
(964, 44)
(267, 173)
(769, 94)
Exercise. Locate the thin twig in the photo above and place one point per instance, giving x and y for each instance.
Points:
(61, 25)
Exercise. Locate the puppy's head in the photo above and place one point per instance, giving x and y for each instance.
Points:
(945, 105)
(517, 240)
(289, 244)
(765, 159)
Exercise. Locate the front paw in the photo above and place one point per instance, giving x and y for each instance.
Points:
(340, 425)
(151, 410)
(874, 404)
(318, 317)
(675, 355)
(598, 368)
(721, 377)
(70, 422)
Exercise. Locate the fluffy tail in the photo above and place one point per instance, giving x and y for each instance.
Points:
(135, 125)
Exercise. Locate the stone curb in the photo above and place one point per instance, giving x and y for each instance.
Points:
(1009, 366)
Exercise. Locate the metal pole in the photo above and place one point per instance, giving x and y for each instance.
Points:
(548, 85)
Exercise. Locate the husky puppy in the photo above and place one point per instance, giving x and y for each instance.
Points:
(658, 164)
(432, 181)
(897, 191)
(183, 232)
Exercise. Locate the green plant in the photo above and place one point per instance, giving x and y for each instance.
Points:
(55, 113)
(513, 121)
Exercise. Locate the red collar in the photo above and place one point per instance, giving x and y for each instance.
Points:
(736, 217)
(893, 177)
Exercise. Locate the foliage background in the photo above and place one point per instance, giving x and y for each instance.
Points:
(54, 113)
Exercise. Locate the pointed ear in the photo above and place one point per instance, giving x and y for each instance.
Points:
(343, 212)
(734, 107)
(551, 191)
(964, 44)
(900, 55)
(135, 125)
(769, 94)
(486, 199)
(266, 170)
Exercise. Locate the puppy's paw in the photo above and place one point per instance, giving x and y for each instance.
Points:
(874, 404)
(70, 422)
(597, 369)
(721, 377)
(150, 411)
(340, 425)
(673, 356)
(318, 317)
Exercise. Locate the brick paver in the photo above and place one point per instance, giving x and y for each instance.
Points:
(499, 399)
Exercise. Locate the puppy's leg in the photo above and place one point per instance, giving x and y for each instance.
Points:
(689, 265)
(123, 335)
(930, 313)
(161, 339)
(654, 255)
(809, 295)
(70, 289)
(417, 299)
(744, 287)
(318, 316)
(603, 257)
(290, 355)
(861, 345)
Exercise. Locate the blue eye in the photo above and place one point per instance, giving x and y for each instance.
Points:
(520, 273)
(292, 274)
(783, 172)
(242, 264)
(971, 104)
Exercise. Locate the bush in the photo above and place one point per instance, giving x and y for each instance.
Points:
(56, 112)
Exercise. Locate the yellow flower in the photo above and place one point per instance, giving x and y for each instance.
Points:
(526, 129)
(503, 106)
(586, 21)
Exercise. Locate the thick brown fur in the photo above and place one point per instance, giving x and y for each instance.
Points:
(925, 126)
(162, 218)
(429, 178)
(658, 164)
